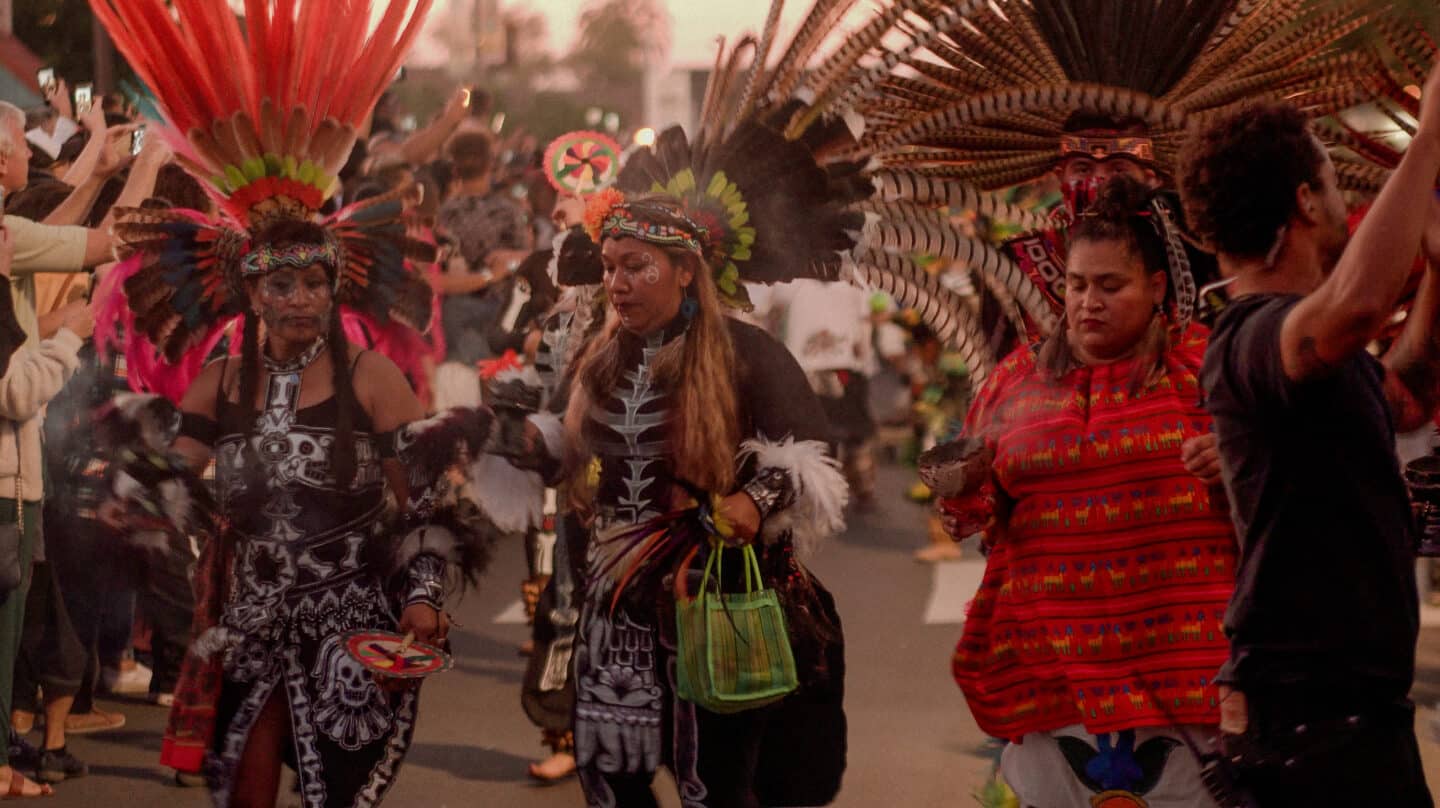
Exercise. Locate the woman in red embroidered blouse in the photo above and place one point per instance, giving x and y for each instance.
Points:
(1110, 561)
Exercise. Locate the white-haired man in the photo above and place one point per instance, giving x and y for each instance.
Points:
(39, 247)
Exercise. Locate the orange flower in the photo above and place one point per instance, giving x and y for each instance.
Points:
(598, 209)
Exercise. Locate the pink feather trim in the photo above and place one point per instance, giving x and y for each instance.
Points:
(146, 368)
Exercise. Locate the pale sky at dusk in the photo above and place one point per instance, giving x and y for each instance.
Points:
(694, 23)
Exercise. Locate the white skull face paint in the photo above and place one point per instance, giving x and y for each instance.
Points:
(651, 274)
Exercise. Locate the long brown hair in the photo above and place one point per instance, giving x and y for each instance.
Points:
(698, 368)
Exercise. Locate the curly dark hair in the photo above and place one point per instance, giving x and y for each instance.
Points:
(1122, 213)
(1238, 176)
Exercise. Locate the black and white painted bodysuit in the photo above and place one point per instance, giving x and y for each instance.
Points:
(301, 580)
(628, 721)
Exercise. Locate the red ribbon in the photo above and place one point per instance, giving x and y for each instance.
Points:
(490, 368)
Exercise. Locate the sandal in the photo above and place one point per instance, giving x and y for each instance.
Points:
(555, 769)
(17, 787)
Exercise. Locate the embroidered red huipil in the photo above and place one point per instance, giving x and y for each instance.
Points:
(1103, 599)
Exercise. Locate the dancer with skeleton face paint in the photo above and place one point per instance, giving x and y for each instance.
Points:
(329, 520)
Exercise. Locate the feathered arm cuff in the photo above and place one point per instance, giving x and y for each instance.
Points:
(799, 490)
(133, 434)
(448, 525)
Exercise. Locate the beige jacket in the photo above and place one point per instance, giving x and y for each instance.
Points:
(40, 248)
(35, 376)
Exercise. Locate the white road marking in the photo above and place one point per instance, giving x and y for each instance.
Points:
(953, 586)
(514, 615)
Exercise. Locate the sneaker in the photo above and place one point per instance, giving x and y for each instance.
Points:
(58, 765)
(94, 721)
(23, 754)
(126, 680)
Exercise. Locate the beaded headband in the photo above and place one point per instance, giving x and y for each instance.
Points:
(267, 259)
(1104, 147)
(609, 215)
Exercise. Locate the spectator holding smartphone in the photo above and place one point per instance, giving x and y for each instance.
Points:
(34, 375)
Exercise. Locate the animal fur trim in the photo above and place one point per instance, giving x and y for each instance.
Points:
(150, 421)
(168, 499)
(456, 385)
(512, 498)
(434, 539)
(821, 492)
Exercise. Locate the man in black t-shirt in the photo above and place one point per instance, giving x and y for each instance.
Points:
(1324, 619)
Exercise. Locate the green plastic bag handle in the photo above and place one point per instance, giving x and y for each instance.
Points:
(753, 582)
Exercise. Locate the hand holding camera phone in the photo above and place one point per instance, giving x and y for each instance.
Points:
(45, 77)
(83, 98)
(137, 140)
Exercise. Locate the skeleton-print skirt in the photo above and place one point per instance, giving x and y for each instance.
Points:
(348, 736)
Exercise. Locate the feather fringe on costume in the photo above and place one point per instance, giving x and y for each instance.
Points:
(845, 158)
(460, 522)
(456, 531)
(133, 433)
(265, 125)
(513, 498)
(821, 492)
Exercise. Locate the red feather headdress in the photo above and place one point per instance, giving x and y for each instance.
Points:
(264, 113)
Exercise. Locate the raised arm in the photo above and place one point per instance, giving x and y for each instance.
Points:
(89, 157)
(140, 185)
(1348, 310)
(424, 145)
(111, 161)
(1412, 380)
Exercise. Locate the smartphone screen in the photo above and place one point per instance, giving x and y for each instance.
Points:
(82, 98)
(45, 77)
(137, 140)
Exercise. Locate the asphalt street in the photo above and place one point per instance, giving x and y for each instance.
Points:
(912, 742)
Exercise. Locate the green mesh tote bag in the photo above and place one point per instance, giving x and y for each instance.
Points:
(734, 650)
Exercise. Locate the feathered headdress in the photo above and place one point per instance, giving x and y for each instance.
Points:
(987, 94)
(1369, 140)
(988, 102)
(779, 180)
(264, 113)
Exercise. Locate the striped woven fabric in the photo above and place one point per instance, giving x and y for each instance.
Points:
(734, 650)
(1103, 602)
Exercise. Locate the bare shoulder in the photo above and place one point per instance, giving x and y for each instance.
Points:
(202, 394)
(372, 367)
(383, 391)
